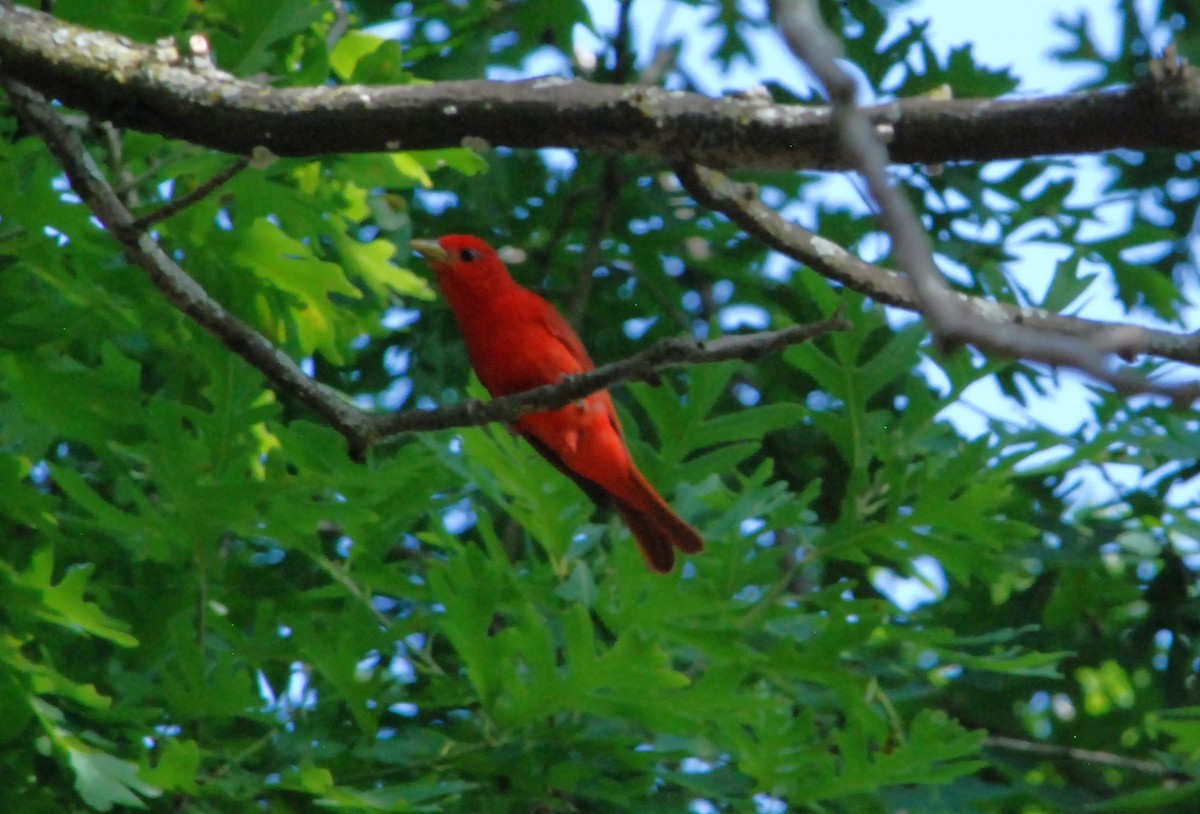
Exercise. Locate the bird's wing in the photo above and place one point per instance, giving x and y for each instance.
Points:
(561, 330)
(597, 493)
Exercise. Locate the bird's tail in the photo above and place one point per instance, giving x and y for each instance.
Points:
(657, 529)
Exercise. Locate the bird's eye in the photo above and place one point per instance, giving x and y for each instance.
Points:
(468, 255)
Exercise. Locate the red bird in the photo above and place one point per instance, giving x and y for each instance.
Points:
(517, 341)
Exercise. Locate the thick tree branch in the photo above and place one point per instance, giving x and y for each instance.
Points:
(361, 429)
(152, 88)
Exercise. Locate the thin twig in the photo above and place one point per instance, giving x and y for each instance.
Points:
(195, 196)
(671, 352)
(341, 24)
(116, 163)
(153, 169)
(610, 185)
(1086, 756)
(585, 271)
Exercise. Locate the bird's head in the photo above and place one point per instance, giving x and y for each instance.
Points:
(454, 250)
(463, 264)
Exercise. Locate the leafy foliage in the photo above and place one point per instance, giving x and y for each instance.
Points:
(205, 605)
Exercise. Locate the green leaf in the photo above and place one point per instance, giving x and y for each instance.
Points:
(365, 58)
(264, 32)
(104, 781)
(1067, 285)
(371, 262)
(64, 602)
(177, 769)
(42, 680)
(452, 625)
(1155, 799)
(291, 266)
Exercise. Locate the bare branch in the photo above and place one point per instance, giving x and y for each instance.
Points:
(816, 47)
(1086, 756)
(341, 24)
(740, 203)
(195, 196)
(642, 367)
(950, 315)
(151, 88)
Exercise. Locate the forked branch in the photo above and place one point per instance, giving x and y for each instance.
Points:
(360, 428)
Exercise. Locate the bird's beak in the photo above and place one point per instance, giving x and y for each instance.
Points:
(431, 250)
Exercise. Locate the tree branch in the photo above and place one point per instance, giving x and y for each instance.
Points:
(195, 196)
(740, 203)
(815, 46)
(1086, 756)
(952, 316)
(359, 428)
(671, 352)
(151, 88)
(176, 285)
